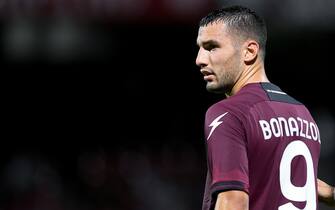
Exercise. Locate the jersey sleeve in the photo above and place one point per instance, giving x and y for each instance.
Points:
(226, 152)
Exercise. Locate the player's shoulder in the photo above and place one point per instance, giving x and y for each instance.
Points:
(220, 112)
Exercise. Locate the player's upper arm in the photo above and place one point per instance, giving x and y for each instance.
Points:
(232, 200)
(226, 151)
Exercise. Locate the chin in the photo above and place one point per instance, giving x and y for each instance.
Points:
(215, 89)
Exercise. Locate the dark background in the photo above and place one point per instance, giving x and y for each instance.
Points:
(104, 106)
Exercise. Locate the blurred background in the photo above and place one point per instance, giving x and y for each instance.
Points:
(104, 106)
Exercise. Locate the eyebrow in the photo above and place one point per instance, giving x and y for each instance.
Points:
(209, 42)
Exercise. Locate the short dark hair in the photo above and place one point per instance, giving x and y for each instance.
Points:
(241, 20)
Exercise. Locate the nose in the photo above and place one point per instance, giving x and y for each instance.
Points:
(202, 60)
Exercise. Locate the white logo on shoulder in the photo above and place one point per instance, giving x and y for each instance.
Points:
(215, 124)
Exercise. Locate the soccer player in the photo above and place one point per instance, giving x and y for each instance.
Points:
(263, 145)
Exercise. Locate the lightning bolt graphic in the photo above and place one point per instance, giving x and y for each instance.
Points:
(215, 124)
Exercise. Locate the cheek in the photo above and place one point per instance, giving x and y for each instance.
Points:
(228, 67)
(233, 60)
(218, 58)
(225, 60)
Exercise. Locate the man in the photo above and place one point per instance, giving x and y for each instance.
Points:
(263, 145)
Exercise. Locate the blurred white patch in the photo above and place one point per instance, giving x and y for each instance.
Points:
(20, 39)
(64, 40)
(19, 174)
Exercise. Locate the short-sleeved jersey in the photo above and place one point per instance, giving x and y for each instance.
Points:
(266, 143)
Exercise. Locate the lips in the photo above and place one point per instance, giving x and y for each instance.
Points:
(208, 74)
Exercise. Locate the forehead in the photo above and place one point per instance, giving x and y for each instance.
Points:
(213, 31)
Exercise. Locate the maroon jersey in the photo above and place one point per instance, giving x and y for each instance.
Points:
(266, 143)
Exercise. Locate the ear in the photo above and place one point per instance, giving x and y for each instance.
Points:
(251, 51)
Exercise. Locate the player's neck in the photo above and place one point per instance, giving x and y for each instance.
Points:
(253, 73)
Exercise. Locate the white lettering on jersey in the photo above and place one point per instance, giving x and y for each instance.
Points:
(280, 126)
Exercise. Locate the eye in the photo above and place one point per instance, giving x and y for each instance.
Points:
(210, 47)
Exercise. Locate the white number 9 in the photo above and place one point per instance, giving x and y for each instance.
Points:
(307, 192)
